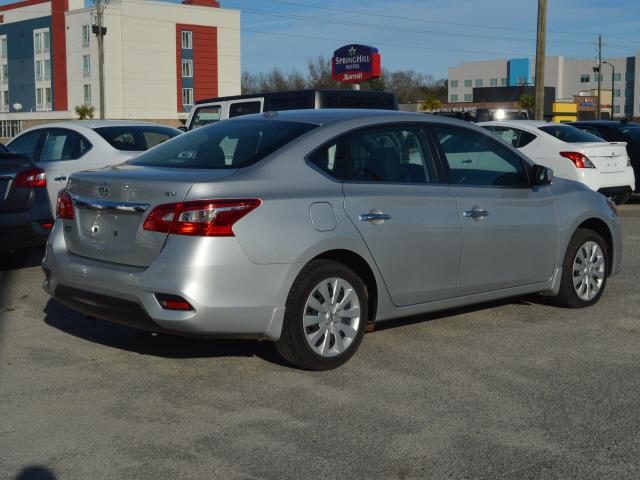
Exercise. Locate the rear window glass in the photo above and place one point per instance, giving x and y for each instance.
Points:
(136, 138)
(570, 134)
(229, 144)
(633, 132)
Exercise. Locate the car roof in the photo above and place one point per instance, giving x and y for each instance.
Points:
(288, 93)
(518, 123)
(324, 116)
(93, 124)
(606, 123)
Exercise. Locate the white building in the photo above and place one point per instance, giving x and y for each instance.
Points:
(159, 59)
(569, 76)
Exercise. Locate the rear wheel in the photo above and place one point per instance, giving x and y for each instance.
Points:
(325, 318)
(584, 270)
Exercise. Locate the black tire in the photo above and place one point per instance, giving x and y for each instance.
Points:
(293, 345)
(568, 297)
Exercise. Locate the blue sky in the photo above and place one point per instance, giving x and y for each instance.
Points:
(429, 35)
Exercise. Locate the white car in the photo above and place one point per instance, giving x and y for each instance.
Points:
(60, 149)
(572, 153)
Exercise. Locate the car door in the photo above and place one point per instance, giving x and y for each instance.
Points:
(62, 152)
(394, 195)
(27, 143)
(509, 229)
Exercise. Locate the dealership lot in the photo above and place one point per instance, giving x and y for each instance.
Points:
(514, 389)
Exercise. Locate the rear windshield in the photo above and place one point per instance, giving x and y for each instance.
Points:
(570, 134)
(229, 144)
(136, 138)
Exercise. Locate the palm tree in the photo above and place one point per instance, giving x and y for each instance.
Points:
(525, 102)
(430, 103)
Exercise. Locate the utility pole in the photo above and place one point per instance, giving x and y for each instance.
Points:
(541, 41)
(599, 74)
(613, 84)
(100, 31)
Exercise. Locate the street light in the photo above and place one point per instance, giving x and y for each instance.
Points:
(613, 79)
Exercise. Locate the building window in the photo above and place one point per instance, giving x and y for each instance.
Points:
(503, 82)
(617, 77)
(39, 99)
(522, 80)
(187, 39)
(48, 98)
(46, 41)
(493, 82)
(38, 70)
(4, 101)
(187, 68)
(584, 78)
(533, 80)
(37, 42)
(453, 84)
(616, 92)
(454, 98)
(468, 97)
(467, 83)
(3, 46)
(86, 66)
(597, 76)
(86, 36)
(47, 70)
(479, 83)
(187, 96)
(629, 76)
(616, 109)
(87, 94)
(4, 74)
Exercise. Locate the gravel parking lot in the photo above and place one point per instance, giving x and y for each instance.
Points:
(514, 389)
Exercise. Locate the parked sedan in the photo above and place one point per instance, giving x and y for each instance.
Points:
(66, 147)
(304, 227)
(571, 153)
(613, 131)
(25, 217)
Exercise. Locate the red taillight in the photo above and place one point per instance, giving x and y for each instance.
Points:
(32, 178)
(578, 159)
(64, 207)
(207, 218)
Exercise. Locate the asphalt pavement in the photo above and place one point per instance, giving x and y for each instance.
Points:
(509, 390)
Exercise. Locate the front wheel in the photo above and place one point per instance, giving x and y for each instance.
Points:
(326, 316)
(584, 270)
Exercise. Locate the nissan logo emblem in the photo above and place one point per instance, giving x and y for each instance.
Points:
(103, 190)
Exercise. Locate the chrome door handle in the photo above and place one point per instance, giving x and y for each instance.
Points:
(476, 213)
(374, 216)
(60, 179)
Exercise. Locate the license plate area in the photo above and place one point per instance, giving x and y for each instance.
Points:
(108, 229)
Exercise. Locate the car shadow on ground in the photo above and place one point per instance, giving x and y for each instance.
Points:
(21, 259)
(36, 473)
(173, 346)
(146, 343)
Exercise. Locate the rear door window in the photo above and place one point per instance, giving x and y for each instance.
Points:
(60, 145)
(391, 154)
(570, 134)
(135, 138)
(232, 144)
(330, 158)
(513, 136)
(243, 108)
(293, 102)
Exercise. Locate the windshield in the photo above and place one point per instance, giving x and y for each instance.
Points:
(136, 138)
(570, 134)
(205, 116)
(229, 144)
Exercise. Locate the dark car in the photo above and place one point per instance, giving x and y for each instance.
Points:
(614, 131)
(25, 216)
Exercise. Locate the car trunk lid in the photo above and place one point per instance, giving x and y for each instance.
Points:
(608, 157)
(111, 205)
(14, 199)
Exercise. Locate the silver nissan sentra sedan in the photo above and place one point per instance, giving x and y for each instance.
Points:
(306, 227)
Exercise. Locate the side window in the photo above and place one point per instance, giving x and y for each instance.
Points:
(243, 108)
(27, 143)
(205, 116)
(330, 158)
(591, 130)
(474, 159)
(154, 138)
(61, 145)
(515, 137)
(391, 155)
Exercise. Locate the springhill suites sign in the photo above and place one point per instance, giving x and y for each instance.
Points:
(355, 63)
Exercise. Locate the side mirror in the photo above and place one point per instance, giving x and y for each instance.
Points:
(541, 175)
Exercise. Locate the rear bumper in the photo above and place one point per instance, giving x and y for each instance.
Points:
(24, 229)
(231, 296)
(597, 180)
